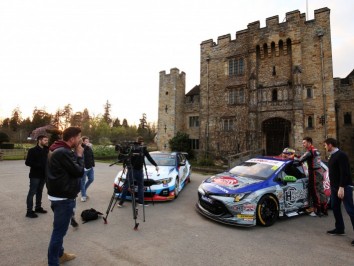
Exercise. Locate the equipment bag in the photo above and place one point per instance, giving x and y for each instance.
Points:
(90, 215)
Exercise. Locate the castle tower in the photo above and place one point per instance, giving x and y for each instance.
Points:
(171, 102)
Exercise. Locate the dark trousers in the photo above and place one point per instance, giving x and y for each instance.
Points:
(35, 188)
(138, 177)
(63, 211)
(316, 192)
(348, 205)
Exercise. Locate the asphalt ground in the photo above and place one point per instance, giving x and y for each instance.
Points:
(173, 234)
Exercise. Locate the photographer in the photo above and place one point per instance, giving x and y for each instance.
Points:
(135, 171)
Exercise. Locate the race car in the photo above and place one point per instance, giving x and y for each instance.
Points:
(257, 192)
(166, 184)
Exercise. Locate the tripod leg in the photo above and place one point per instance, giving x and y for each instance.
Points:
(109, 207)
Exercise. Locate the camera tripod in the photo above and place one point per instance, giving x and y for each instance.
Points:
(131, 188)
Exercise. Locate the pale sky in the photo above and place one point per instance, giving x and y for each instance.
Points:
(85, 52)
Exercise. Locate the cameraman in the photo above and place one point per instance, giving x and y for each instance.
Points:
(136, 171)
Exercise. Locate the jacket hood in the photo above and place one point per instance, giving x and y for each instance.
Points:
(58, 144)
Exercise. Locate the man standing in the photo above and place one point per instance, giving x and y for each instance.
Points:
(37, 160)
(135, 172)
(89, 161)
(64, 171)
(341, 186)
(315, 185)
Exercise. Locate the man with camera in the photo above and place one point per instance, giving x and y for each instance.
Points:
(135, 171)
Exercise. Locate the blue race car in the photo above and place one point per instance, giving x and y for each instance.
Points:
(257, 192)
(174, 173)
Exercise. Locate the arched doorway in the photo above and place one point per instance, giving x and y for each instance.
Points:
(276, 131)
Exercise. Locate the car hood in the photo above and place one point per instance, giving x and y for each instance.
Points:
(164, 172)
(227, 183)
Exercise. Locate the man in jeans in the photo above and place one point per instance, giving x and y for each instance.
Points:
(37, 160)
(89, 166)
(341, 186)
(64, 171)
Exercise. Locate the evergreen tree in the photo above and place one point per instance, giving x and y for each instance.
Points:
(107, 113)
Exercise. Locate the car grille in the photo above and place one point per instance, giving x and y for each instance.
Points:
(217, 207)
(149, 182)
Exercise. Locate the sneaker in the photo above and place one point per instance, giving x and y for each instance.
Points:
(31, 214)
(120, 205)
(83, 199)
(73, 222)
(141, 204)
(313, 214)
(40, 210)
(335, 232)
(309, 210)
(66, 257)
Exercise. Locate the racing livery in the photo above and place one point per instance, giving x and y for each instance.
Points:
(174, 173)
(257, 192)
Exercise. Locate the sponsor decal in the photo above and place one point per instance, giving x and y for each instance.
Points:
(221, 188)
(292, 195)
(205, 198)
(245, 216)
(225, 181)
(238, 208)
(265, 161)
(249, 207)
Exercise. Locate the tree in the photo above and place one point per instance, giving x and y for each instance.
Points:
(116, 123)
(107, 113)
(76, 119)
(181, 143)
(6, 123)
(4, 137)
(125, 123)
(15, 120)
(40, 118)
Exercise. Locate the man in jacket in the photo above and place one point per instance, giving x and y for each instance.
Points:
(37, 160)
(64, 171)
(135, 172)
(89, 162)
(341, 186)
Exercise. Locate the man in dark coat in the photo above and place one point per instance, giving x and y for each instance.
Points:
(37, 160)
(341, 186)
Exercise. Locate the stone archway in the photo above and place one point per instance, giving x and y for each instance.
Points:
(276, 131)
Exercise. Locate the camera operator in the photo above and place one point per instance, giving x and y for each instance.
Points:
(136, 171)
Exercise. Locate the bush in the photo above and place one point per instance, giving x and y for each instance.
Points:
(206, 162)
(7, 146)
(181, 143)
(4, 138)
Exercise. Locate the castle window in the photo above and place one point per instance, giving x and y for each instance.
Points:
(273, 48)
(347, 118)
(227, 124)
(274, 72)
(309, 93)
(310, 122)
(258, 52)
(236, 96)
(281, 47)
(265, 50)
(194, 144)
(288, 43)
(274, 95)
(194, 121)
(236, 67)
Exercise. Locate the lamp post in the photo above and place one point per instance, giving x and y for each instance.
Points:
(207, 120)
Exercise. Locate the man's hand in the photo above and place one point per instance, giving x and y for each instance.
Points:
(341, 192)
(157, 168)
(79, 150)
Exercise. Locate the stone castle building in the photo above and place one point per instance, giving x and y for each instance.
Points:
(266, 89)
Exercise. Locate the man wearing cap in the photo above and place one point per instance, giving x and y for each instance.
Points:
(135, 172)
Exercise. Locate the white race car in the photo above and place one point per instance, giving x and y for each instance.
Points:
(174, 173)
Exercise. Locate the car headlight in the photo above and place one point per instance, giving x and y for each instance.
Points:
(240, 196)
(163, 181)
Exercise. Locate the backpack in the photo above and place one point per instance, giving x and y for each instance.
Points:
(90, 215)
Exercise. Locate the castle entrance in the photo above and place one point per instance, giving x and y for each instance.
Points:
(277, 132)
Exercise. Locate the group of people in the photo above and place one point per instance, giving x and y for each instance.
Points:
(340, 180)
(63, 167)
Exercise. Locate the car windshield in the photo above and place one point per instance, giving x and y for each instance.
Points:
(257, 168)
(162, 159)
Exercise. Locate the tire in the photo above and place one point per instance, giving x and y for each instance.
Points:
(267, 210)
(176, 187)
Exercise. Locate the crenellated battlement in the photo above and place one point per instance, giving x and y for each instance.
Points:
(173, 72)
(293, 19)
